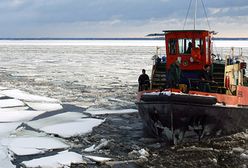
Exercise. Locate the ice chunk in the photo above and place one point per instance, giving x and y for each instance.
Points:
(4, 159)
(244, 156)
(101, 112)
(103, 143)
(34, 145)
(11, 115)
(18, 94)
(74, 128)
(98, 159)
(10, 103)
(45, 106)
(143, 152)
(62, 159)
(6, 128)
(2, 88)
(56, 119)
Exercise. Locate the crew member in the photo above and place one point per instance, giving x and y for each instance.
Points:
(206, 79)
(174, 75)
(144, 82)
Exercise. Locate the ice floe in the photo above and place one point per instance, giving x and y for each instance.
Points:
(56, 119)
(74, 128)
(98, 159)
(21, 95)
(101, 111)
(62, 159)
(34, 145)
(13, 115)
(10, 103)
(103, 143)
(2, 88)
(44, 106)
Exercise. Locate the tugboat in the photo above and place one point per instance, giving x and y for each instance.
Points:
(193, 108)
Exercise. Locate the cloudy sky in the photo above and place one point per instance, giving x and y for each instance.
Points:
(118, 18)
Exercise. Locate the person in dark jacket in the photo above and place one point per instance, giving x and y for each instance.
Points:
(206, 79)
(174, 75)
(144, 81)
(206, 74)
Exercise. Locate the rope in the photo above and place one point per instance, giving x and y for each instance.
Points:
(187, 14)
(206, 14)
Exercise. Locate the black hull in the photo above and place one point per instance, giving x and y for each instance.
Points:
(180, 119)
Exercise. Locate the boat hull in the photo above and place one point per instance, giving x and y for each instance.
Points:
(181, 120)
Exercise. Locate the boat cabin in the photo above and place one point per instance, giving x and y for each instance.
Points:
(191, 48)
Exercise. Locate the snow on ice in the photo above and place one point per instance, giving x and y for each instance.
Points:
(21, 95)
(34, 145)
(74, 128)
(94, 112)
(62, 159)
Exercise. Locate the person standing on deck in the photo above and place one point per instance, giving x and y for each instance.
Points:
(206, 79)
(174, 75)
(144, 81)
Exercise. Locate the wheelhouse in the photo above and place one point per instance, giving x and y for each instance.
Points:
(191, 48)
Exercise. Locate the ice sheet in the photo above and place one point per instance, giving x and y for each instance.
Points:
(12, 115)
(62, 159)
(18, 115)
(77, 127)
(4, 160)
(44, 106)
(56, 119)
(101, 112)
(34, 145)
(5, 129)
(11, 103)
(21, 95)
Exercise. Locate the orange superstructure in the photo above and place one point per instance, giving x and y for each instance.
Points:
(192, 48)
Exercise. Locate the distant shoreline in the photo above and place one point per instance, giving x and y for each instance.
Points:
(44, 38)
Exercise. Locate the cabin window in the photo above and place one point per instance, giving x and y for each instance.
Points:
(172, 46)
(199, 44)
(185, 46)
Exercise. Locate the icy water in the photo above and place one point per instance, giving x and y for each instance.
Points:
(103, 75)
(79, 73)
(85, 73)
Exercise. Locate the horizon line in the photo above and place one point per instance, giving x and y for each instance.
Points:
(109, 38)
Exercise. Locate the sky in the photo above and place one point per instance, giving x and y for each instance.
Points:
(118, 18)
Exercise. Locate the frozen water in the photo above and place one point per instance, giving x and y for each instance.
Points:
(18, 94)
(45, 106)
(102, 111)
(34, 145)
(62, 159)
(10, 103)
(69, 129)
(13, 115)
(98, 159)
(56, 119)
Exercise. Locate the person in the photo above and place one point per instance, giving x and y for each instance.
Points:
(189, 48)
(144, 81)
(206, 74)
(206, 79)
(174, 75)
